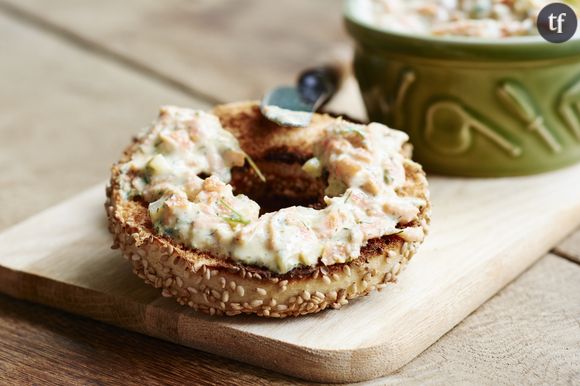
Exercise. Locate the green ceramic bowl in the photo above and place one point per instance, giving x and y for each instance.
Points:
(473, 107)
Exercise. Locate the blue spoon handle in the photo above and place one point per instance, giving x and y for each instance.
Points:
(317, 85)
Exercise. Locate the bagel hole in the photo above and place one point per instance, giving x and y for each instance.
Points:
(286, 185)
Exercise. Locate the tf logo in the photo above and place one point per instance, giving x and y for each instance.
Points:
(557, 22)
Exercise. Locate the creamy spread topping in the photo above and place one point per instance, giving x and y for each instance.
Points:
(475, 18)
(182, 169)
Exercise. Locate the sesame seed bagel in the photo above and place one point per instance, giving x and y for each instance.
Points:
(222, 286)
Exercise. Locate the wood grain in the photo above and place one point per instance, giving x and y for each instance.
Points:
(35, 339)
(227, 50)
(527, 334)
(65, 117)
(44, 346)
(467, 258)
(570, 247)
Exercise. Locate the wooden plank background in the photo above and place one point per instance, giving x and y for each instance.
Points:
(79, 77)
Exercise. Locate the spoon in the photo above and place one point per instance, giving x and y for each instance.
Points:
(294, 105)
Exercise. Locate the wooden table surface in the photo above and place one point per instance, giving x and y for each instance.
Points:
(80, 77)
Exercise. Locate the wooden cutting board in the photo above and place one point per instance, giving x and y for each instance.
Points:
(484, 233)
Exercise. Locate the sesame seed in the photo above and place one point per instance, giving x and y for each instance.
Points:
(273, 302)
(240, 290)
(197, 280)
(223, 306)
(335, 277)
(281, 307)
(315, 276)
(135, 257)
(179, 281)
(257, 276)
(216, 294)
(299, 300)
(396, 268)
(261, 291)
(256, 303)
(212, 311)
(332, 295)
(165, 293)
(168, 282)
(223, 282)
(190, 303)
(284, 288)
(275, 280)
(326, 279)
(305, 295)
(214, 272)
(207, 274)
(225, 296)
(205, 299)
(283, 283)
(292, 300)
(192, 290)
(266, 313)
(232, 285)
(236, 306)
(233, 313)
(275, 315)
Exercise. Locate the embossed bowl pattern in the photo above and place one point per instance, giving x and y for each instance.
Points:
(473, 107)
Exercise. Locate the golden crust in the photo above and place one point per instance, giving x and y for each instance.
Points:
(224, 287)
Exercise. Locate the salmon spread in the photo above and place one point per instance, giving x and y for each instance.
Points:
(473, 18)
(181, 168)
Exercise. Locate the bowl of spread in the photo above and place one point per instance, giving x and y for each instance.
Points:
(472, 82)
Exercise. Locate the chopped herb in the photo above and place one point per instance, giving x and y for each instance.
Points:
(351, 130)
(236, 217)
(347, 196)
(232, 220)
(255, 167)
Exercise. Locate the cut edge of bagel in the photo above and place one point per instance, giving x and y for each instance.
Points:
(224, 287)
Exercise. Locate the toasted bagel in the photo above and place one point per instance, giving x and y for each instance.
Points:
(215, 285)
